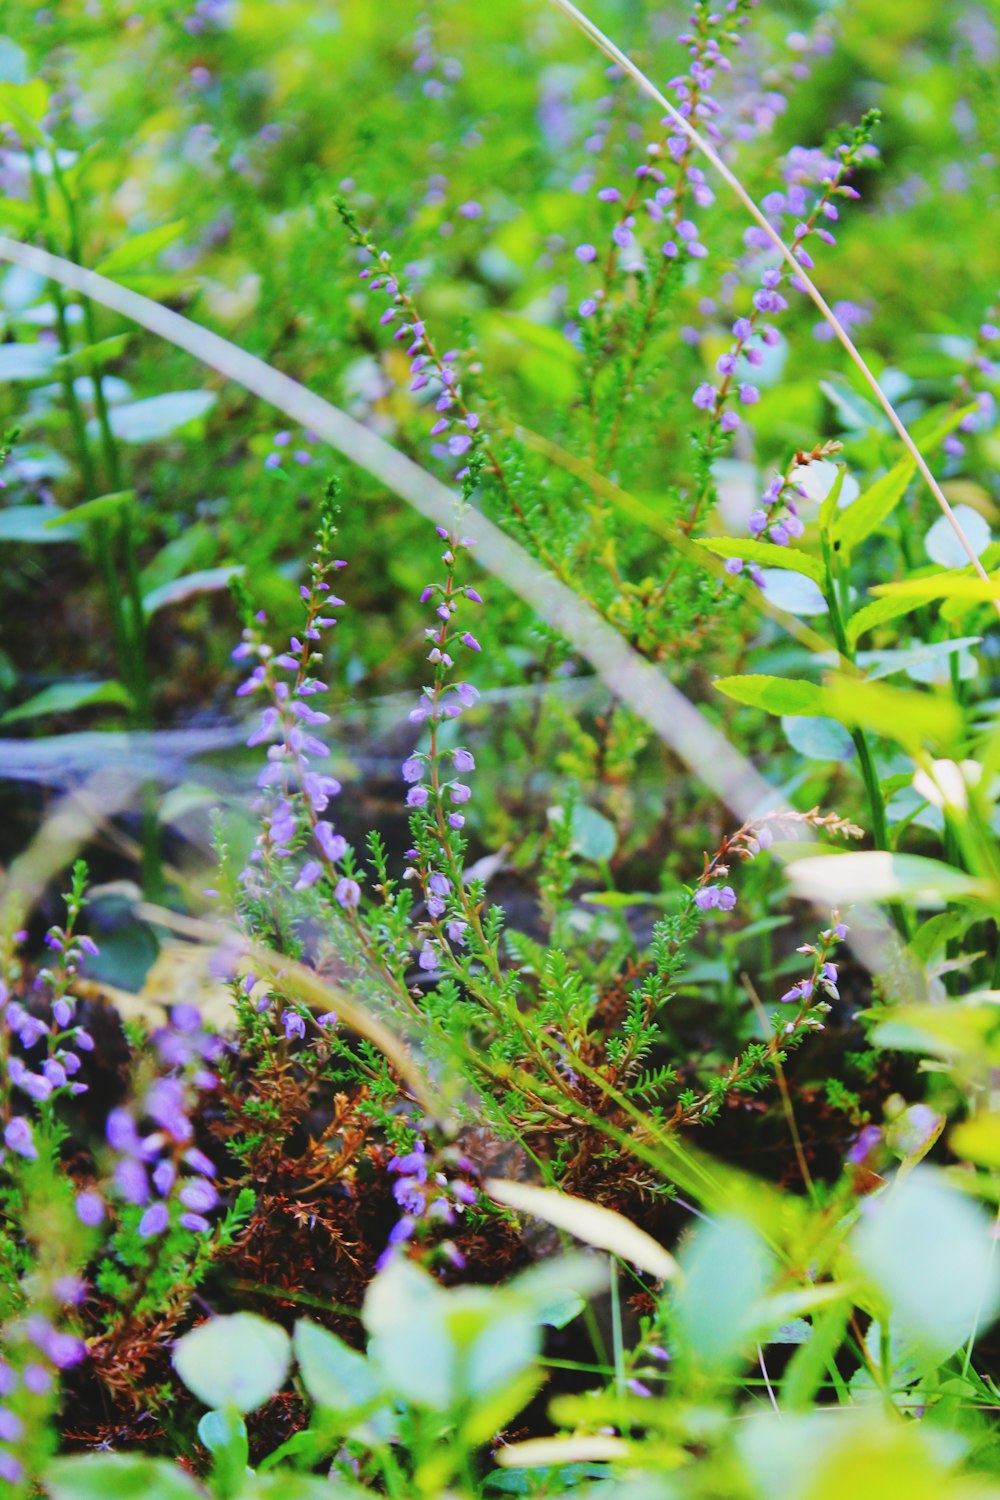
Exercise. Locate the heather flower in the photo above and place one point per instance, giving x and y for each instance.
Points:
(154, 1221)
(294, 1025)
(704, 397)
(347, 893)
(18, 1138)
(90, 1209)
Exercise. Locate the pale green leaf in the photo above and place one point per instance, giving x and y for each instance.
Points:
(238, 1361)
(117, 1476)
(139, 248)
(873, 507)
(876, 875)
(767, 554)
(158, 416)
(590, 1222)
(66, 698)
(776, 695)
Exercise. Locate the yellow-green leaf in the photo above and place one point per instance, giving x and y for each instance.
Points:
(767, 554)
(873, 507)
(775, 695)
(910, 718)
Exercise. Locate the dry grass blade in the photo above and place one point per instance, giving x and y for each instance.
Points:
(609, 48)
(590, 1222)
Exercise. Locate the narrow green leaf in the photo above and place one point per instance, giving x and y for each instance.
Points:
(101, 508)
(808, 1365)
(767, 554)
(67, 697)
(776, 695)
(964, 585)
(877, 613)
(828, 510)
(207, 581)
(873, 507)
(837, 879)
(139, 248)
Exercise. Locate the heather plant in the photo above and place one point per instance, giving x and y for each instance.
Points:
(593, 877)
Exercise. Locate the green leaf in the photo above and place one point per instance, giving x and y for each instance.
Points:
(34, 523)
(910, 718)
(19, 212)
(818, 738)
(158, 416)
(24, 104)
(928, 1249)
(13, 62)
(876, 613)
(117, 1476)
(91, 357)
(836, 879)
(101, 508)
(224, 1432)
(405, 1312)
(139, 248)
(337, 1377)
(66, 698)
(964, 585)
(725, 1269)
(873, 507)
(776, 695)
(879, 664)
(207, 581)
(767, 554)
(856, 414)
(238, 1361)
(594, 836)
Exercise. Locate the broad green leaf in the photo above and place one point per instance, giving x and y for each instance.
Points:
(877, 613)
(238, 1361)
(767, 554)
(221, 1430)
(879, 664)
(942, 586)
(726, 1267)
(978, 1140)
(66, 698)
(965, 1032)
(208, 581)
(336, 1376)
(793, 592)
(776, 695)
(411, 1347)
(942, 544)
(927, 1247)
(876, 875)
(139, 248)
(594, 836)
(818, 738)
(19, 212)
(24, 105)
(158, 416)
(26, 361)
(873, 507)
(117, 1476)
(590, 1222)
(13, 62)
(34, 523)
(101, 508)
(910, 718)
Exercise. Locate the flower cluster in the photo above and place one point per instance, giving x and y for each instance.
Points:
(437, 792)
(428, 1197)
(751, 332)
(436, 72)
(746, 843)
(822, 981)
(776, 519)
(283, 443)
(290, 783)
(457, 427)
(36, 1350)
(48, 1063)
(669, 205)
(149, 1170)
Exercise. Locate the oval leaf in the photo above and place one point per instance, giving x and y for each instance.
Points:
(776, 695)
(158, 416)
(876, 875)
(238, 1361)
(590, 1222)
(767, 554)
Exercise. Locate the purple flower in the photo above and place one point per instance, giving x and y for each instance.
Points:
(198, 1195)
(586, 253)
(413, 769)
(704, 397)
(460, 792)
(417, 796)
(164, 1103)
(19, 1139)
(154, 1221)
(332, 845)
(757, 522)
(130, 1179)
(347, 893)
(749, 394)
(727, 898)
(90, 1209)
(427, 958)
(294, 1025)
(463, 760)
(707, 897)
(608, 194)
(733, 565)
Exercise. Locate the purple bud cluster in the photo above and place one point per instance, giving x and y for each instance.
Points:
(437, 792)
(149, 1168)
(290, 783)
(284, 444)
(668, 205)
(437, 73)
(822, 982)
(205, 14)
(39, 1349)
(48, 1063)
(752, 332)
(456, 427)
(428, 1197)
(985, 364)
